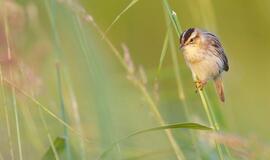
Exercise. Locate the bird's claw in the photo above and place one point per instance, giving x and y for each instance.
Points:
(199, 85)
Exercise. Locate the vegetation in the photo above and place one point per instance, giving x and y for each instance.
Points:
(105, 80)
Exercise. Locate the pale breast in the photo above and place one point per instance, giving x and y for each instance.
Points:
(206, 69)
(204, 65)
(193, 54)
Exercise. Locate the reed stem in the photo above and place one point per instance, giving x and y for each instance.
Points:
(14, 102)
(210, 115)
(152, 105)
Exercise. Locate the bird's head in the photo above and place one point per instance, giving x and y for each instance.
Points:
(190, 38)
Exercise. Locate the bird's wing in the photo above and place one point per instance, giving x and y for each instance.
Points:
(220, 53)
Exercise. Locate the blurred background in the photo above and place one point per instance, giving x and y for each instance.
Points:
(70, 86)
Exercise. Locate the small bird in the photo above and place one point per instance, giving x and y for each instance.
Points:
(205, 57)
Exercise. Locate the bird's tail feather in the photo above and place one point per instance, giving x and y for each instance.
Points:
(220, 88)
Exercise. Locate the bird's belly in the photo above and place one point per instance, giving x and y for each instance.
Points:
(202, 64)
(205, 69)
(193, 55)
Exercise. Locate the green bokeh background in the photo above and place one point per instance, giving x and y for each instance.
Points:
(110, 107)
(243, 27)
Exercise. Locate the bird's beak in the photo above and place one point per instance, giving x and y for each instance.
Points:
(181, 46)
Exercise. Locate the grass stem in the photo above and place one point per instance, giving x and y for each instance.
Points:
(64, 117)
(173, 17)
(3, 94)
(18, 131)
(13, 90)
(48, 134)
(146, 94)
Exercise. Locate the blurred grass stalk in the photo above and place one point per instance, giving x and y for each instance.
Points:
(74, 107)
(51, 8)
(141, 86)
(63, 112)
(3, 95)
(181, 94)
(14, 102)
(15, 107)
(97, 75)
(31, 97)
(12, 156)
(169, 126)
(75, 111)
(45, 125)
(205, 101)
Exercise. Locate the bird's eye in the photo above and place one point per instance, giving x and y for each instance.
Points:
(191, 40)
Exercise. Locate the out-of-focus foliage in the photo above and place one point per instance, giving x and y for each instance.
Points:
(63, 76)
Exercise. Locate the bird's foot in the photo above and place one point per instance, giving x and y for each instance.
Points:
(199, 85)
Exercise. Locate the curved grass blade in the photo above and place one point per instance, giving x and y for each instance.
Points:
(202, 94)
(46, 110)
(169, 126)
(133, 2)
(63, 112)
(173, 126)
(146, 94)
(58, 146)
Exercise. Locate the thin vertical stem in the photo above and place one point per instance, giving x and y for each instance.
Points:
(153, 107)
(180, 88)
(146, 94)
(53, 148)
(7, 34)
(206, 109)
(13, 89)
(177, 26)
(216, 125)
(64, 117)
(94, 69)
(17, 123)
(48, 134)
(11, 150)
(51, 11)
(75, 111)
(211, 120)
(44, 108)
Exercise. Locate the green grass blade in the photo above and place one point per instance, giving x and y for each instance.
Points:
(18, 131)
(173, 126)
(56, 156)
(76, 114)
(163, 127)
(14, 101)
(7, 118)
(133, 2)
(46, 110)
(173, 17)
(59, 146)
(48, 134)
(63, 113)
(164, 50)
(176, 23)
(146, 94)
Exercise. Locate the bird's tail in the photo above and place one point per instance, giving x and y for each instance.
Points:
(220, 88)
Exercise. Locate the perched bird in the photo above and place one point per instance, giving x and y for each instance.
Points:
(205, 57)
